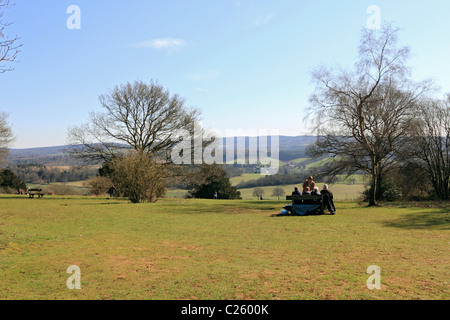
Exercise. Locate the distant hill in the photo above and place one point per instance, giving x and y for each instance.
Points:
(44, 155)
(290, 148)
(298, 142)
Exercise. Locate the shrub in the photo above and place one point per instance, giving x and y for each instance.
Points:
(387, 191)
(99, 185)
(9, 181)
(208, 179)
(139, 177)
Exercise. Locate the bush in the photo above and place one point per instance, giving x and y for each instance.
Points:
(99, 185)
(208, 179)
(9, 181)
(387, 191)
(139, 177)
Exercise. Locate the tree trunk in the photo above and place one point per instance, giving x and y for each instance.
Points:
(373, 188)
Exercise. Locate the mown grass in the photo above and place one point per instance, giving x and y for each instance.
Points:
(340, 191)
(214, 249)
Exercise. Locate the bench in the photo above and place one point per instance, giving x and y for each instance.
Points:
(35, 192)
(310, 199)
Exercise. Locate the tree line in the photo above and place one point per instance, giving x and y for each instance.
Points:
(38, 173)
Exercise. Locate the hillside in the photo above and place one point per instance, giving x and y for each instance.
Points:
(290, 148)
(50, 156)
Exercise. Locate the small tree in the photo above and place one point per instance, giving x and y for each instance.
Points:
(258, 192)
(139, 177)
(278, 192)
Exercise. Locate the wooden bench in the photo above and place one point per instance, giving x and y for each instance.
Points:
(314, 199)
(35, 192)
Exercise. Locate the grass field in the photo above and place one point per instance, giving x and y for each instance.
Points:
(340, 191)
(244, 178)
(214, 249)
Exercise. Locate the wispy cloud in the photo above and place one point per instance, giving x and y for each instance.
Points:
(202, 90)
(204, 75)
(262, 20)
(161, 43)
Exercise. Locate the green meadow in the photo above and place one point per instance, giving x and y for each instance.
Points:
(340, 191)
(218, 249)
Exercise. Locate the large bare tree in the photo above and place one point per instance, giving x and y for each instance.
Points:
(140, 116)
(361, 114)
(9, 47)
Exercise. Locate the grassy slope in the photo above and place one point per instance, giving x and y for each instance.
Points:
(244, 178)
(206, 249)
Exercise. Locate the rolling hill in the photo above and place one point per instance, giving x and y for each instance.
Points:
(290, 148)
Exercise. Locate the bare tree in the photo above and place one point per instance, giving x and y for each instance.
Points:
(137, 116)
(278, 192)
(9, 47)
(362, 114)
(258, 192)
(6, 136)
(428, 145)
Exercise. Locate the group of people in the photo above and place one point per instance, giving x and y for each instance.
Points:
(309, 188)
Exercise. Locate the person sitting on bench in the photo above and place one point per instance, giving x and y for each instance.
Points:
(307, 192)
(328, 199)
(296, 192)
(315, 192)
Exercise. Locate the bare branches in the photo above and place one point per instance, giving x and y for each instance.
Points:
(9, 47)
(362, 114)
(137, 116)
(428, 144)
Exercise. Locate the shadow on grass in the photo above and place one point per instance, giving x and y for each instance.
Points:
(100, 203)
(433, 220)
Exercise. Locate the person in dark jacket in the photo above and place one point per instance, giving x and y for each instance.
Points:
(112, 191)
(296, 192)
(328, 199)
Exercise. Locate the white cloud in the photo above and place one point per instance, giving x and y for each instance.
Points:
(262, 20)
(161, 43)
(204, 75)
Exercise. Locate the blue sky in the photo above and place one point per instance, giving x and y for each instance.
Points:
(244, 64)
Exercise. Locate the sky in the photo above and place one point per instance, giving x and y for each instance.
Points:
(246, 64)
